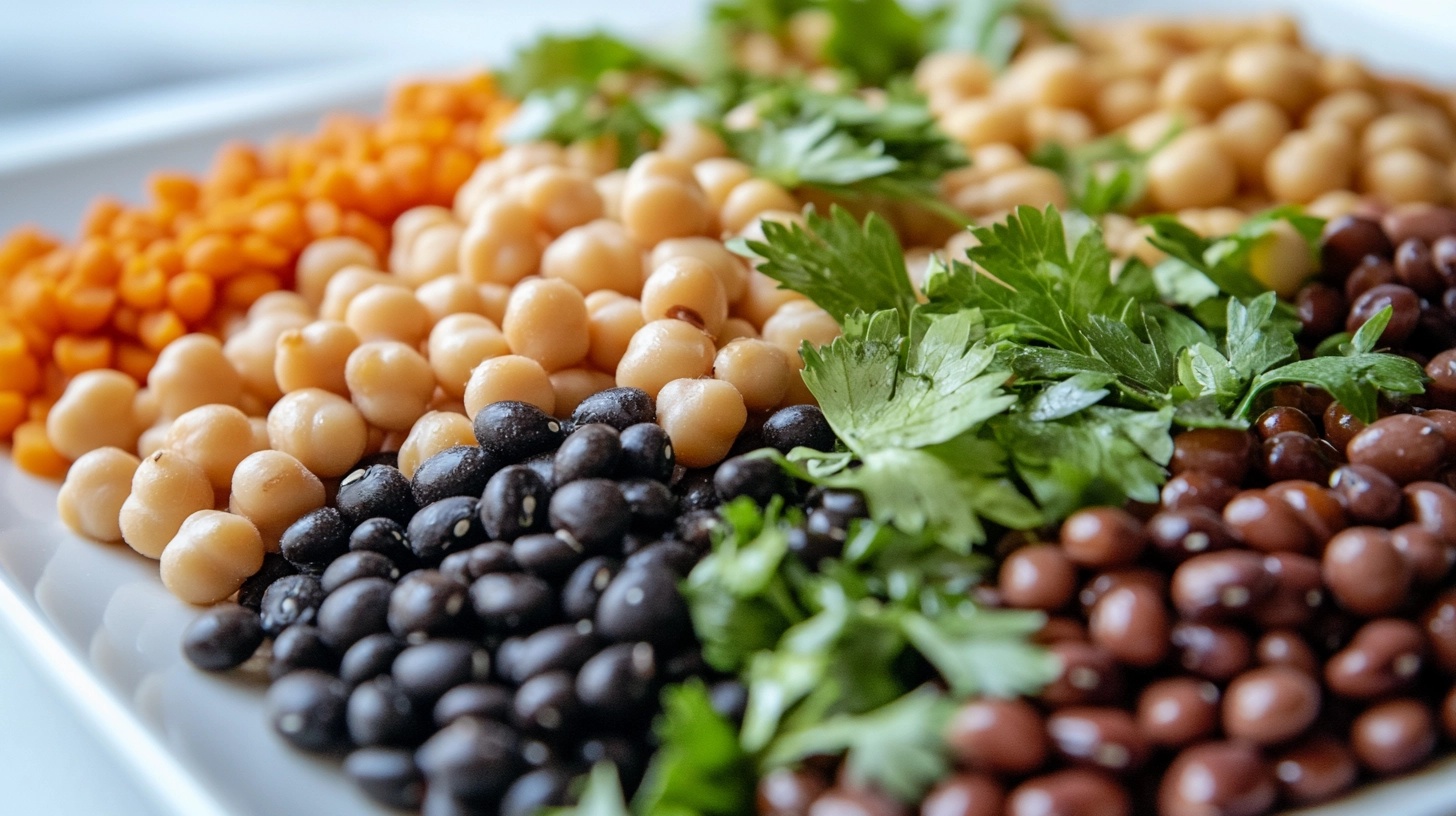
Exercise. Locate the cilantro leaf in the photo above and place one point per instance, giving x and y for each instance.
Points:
(984, 651)
(699, 767)
(1102, 176)
(875, 39)
(993, 29)
(553, 62)
(1069, 396)
(573, 114)
(918, 491)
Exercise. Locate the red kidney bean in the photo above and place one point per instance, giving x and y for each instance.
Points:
(1367, 575)
(1321, 310)
(1393, 736)
(1103, 537)
(1347, 239)
(1369, 496)
(1211, 651)
(1405, 447)
(1415, 268)
(1222, 453)
(1340, 426)
(1037, 577)
(1433, 506)
(1074, 792)
(1383, 658)
(1439, 624)
(1221, 585)
(1427, 222)
(1224, 778)
(1284, 419)
(1282, 647)
(965, 795)
(1270, 704)
(786, 792)
(1368, 274)
(998, 736)
(1317, 507)
(1430, 558)
(1178, 535)
(1102, 737)
(1298, 591)
(1292, 455)
(1194, 488)
(1317, 769)
(1178, 711)
(1090, 676)
(1131, 622)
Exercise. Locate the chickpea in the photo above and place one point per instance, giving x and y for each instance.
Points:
(216, 437)
(731, 270)
(166, 488)
(754, 230)
(96, 486)
(735, 328)
(595, 256)
(432, 433)
(718, 177)
(798, 393)
(1408, 130)
(560, 198)
(1192, 171)
(1334, 204)
(809, 32)
(685, 289)
(655, 208)
(457, 345)
(702, 418)
(955, 72)
(95, 411)
(210, 557)
(388, 313)
(751, 199)
(1306, 164)
(1280, 73)
(595, 157)
(1123, 100)
(610, 328)
(272, 489)
(485, 182)
(253, 353)
(501, 243)
(193, 371)
(656, 164)
(434, 253)
(1196, 82)
(763, 298)
(1404, 175)
(1248, 131)
(1281, 260)
(153, 439)
(280, 302)
(259, 427)
(323, 431)
(983, 121)
(758, 369)
(510, 377)
(323, 258)
(797, 323)
(1056, 76)
(609, 186)
(1152, 129)
(688, 141)
(314, 357)
(390, 383)
(1338, 73)
(1058, 125)
(408, 226)
(449, 295)
(1354, 109)
(546, 320)
(347, 284)
(572, 385)
(665, 350)
(1030, 185)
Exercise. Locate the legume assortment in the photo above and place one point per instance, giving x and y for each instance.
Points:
(690, 452)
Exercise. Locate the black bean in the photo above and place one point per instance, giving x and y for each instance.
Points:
(543, 465)
(356, 611)
(509, 603)
(684, 665)
(591, 451)
(307, 709)
(427, 670)
(620, 408)
(563, 647)
(646, 453)
(618, 681)
(359, 564)
(512, 430)
(289, 600)
(536, 791)
(275, 566)
(592, 512)
(584, 588)
(844, 504)
(387, 775)
(729, 699)
(462, 470)
(370, 657)
(755, 477)
(377, 491)
(624, 753)
(811, 548)
(427, 603)
(798, 426)
(386, 537)
(448, 525)
(483, 700)
(674, 555)
(223, 637)
(650, 502)
(695, 529)
(315, 540)
(695, 491)
(441, 803)
(514, 503)
(301, 646)
(546, 703)
(482, 559)
(643, 604)
(380, 713)
(471, 759)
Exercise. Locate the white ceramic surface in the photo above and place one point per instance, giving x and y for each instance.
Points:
(96, 620)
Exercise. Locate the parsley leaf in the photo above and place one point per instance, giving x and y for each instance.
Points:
(699, 767)
(984, 651)
(993, 29)
(573, 114)
(575, 61)
(875, 39)
(1224, 261)
(769, 16)
(1102, 176)
(602, 795)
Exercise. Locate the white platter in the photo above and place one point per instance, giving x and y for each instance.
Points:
(98, 623)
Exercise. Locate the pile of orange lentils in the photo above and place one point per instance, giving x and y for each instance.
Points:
(202, 250)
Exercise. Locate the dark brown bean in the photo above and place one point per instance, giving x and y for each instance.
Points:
(1282, 647)
(1365, 572)
(1103, 537)
(1433, 506)
(1393, 736)
(1178, 535)
(1405, 308)
(1072, 792)
(1430, 558)
(1443, 255)
(1221, 585)
(1368, 274)
(1059, 628)
(1298, 591)
(1178, 711)
(998, 736)
(843, 801)
(1369, 496)
(1270, 704)
(1340, 426)
(1439, 624)
(1293, 455)
(1266, 523)
(1425, 221)
(1383, 658)
(1445, 420)
(1131, 622)
(1105, 582)
(1442, 371)
(786, 792)
(1037, 577)
(1282, 419)
(1349, 238)
(1089, 675)
(1405, 447)
(1315, 770)
(965, 795)
(1415, 268)
(1319, 509)
(1321, 310)
(1224, 778)
(1220, 452)
(1448, 713)
(1194, 488)
(1102, 737)
(1212, 651)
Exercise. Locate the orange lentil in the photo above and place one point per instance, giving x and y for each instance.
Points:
(142, 285)
(18, 369)
(157, 329)
(174, 189)
(135, 361)
(281, 223)
(85, 307)
(191, 295)
(12, 411)
(246, 288)
(95, 263)
(34, 453)
(75, 353)
(216, 256)
(100, 216)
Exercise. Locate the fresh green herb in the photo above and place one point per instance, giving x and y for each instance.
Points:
(980, 652)
(875, 39)
(699, 767)
(602, 795)
(993, 29)
(1102, 176)
(554, 62)
(1223, 262)
(570, 114)
(768, 16)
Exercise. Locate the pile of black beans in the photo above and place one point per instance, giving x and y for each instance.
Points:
(474, 638)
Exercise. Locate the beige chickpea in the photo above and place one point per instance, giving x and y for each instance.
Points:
(510, 377)
(314, 357)
(192, 371)
(954, 72)
(983, 121)
(493, 300)
(592, 156)
(798, 393)
(546, 320)
(685, 289)
(458, 344)
(347, 284)
(1196, 82)
(1056, 76)
(434, 253)
(452, 294)
(1280, 73)
(809, 31)
(751, 199)
(560, 198)
(95, 411)
(609, 186)
(388, 313)
(210, 557)
(1123, 100)
(431, 434)
(216, 437)
(253, 353)
(718, 177)
(731, 270)
(1353, 109)
(1403, 175)
(166, 488)
(1404, 129)
(665, 350)
(1338, 73)
(1063, 126)
(485, 182)
(1306, 164)
(390, 383)
(572, 385)
(408, 226)
(1334, 204)
(595, 256)
(279, 302)
(657, 164)
(797, 323)
(735, 328)
(273, 489)
(757, 368)
(259, 427)
(1030, 186)
(323, 258)
(501, 243)
(1192, 171)
(1248, 131)
(1281, 260)
(322, 430)
(153, 439)
(96, 486)
(763, 297)
(754, 230)
(610, 328)
(702, 418)
(691, 142)
(655, 208)
(1153, 129)
(146, 409)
